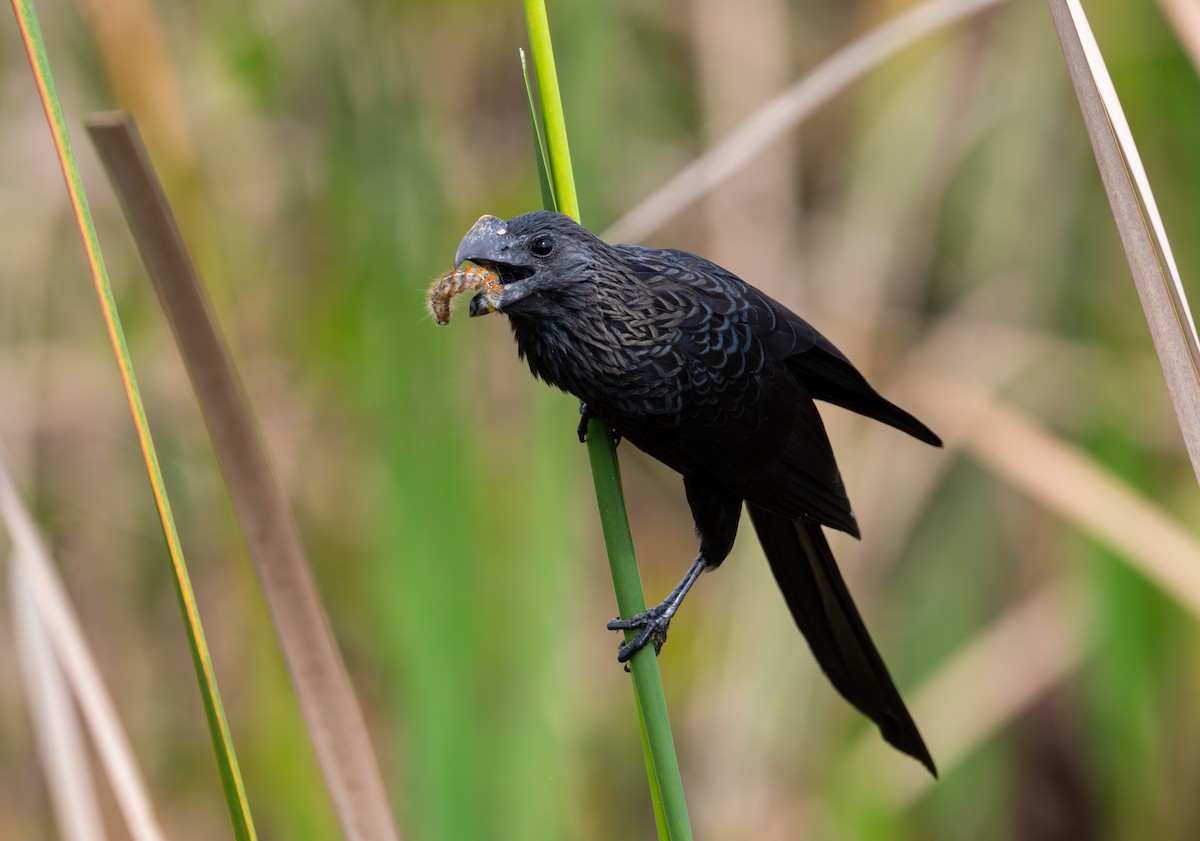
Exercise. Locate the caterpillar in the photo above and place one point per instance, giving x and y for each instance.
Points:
(467, 277)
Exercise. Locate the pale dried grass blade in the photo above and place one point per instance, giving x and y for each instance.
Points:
(786, 111)
(1069, 482)
(65, 634)
(55, 724)
(1184, 16)
(1142, 233)
(327, 701)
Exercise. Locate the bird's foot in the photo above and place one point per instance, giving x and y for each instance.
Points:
(585, 415)
(652, 625)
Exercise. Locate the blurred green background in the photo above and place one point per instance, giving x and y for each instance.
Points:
(941, 220)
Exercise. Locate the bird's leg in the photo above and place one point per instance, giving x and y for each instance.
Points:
(654, 623)
(716, 509)
(586, 414)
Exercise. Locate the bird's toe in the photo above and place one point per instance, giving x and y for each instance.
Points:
(652, 627)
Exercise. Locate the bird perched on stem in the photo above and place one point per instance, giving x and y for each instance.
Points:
(716, 380)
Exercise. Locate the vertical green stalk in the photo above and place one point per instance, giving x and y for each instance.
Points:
(231, 778)
(562, 178)
(666, 786)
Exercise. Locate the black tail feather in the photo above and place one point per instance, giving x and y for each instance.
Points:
(812, 585)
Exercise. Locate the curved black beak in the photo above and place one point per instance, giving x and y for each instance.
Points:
(484, 243)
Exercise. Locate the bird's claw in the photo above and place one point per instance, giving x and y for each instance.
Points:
(585, 415)
(653, 626)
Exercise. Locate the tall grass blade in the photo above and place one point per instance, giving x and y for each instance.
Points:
(79, 667)
(543, 166)
(231, 777)
(670, 806)
(55, 724)
(784, 112)
(326, 695)
(558, 153)
(1142, 233)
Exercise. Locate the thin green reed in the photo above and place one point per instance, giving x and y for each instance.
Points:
(666, 786)
(227, 765)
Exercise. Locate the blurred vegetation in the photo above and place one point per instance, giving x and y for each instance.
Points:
(324, 161)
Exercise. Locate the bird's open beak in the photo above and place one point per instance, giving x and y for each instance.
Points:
(486, 244)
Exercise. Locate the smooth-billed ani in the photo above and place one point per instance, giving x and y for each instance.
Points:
(716, 380)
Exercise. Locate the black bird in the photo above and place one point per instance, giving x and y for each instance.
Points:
(716, 380)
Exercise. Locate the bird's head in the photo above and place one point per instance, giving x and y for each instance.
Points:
(540, 258)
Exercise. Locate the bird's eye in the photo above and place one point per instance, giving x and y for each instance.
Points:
(542, 246)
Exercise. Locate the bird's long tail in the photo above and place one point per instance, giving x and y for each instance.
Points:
(814, 590)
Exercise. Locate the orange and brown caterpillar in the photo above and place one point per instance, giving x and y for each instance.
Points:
(467, 277)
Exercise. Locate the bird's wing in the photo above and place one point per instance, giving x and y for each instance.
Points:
(746, 419)
(782, 335)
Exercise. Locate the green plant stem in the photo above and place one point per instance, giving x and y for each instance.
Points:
(663, 766)
(543, 166)
(231, 778)
(666, 785)
(562, 178)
